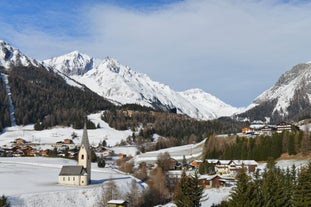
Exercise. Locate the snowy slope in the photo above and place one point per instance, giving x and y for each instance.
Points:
(50, 136)
(121, 84)
(10, 56)
(208, 103)
(295, 82)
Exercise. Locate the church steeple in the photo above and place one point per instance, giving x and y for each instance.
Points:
(85, 138)
(84, 156)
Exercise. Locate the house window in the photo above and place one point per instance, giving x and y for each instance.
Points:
(73, 178)
(68, 178)
(82, 157)
(63, 178)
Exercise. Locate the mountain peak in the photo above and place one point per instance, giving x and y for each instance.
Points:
(73, 63)
(10, 56)
(289, 97)
(296, 71)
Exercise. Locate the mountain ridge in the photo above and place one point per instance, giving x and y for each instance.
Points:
(121, 84)
(289, 98)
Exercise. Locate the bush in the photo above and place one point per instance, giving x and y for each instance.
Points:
(4, 202)
(101, 163)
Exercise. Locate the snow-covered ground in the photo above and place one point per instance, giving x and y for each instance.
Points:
(47, 137)
(190, 151)
(32, 181)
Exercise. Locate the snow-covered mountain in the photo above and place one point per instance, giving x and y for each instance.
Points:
(289, 98)
(123, 85)
(208, 103)
(10, 56)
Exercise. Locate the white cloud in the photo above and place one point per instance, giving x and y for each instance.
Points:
(202, 40)
(232, 49)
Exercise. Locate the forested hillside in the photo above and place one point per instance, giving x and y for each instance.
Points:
(179, 129)
(260, 148)
(40, 95)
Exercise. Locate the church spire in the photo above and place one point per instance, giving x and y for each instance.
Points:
(85, 139)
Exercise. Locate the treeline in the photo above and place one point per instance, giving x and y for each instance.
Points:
(4, 107)
(42, 96)
(275, 187)
(182, 128)
(259, 148)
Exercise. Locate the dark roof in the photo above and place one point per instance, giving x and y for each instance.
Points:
(72, 170)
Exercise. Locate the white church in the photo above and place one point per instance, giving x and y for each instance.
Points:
(81, 173)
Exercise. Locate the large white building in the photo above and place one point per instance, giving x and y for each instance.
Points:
(81, 173)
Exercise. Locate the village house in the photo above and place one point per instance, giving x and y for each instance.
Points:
(248, 131)
(222, 166)
(196, 163)
(44, 152)
(268, 130)
(236, 165)
(81, 173)
(211, 181)
(66, 144)
(283, 126)
(233, 166)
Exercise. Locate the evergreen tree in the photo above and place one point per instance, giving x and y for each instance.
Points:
(188, 192)
(4, 202)
(240, 197)
(255, 188)
(291, 145)
(101, 162)
(302, 191)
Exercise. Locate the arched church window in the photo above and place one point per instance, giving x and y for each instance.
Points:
(82, 157)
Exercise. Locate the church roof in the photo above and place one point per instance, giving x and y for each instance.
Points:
(72, 170)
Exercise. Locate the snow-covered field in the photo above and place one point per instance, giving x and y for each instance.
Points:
(32, 181)
(51, 136)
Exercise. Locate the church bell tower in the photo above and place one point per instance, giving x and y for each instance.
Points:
(84, 155)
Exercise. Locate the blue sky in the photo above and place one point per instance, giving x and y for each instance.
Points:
(233, 49)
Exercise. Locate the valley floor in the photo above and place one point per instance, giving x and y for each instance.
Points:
(32, 181)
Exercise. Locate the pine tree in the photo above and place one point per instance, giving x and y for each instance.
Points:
(240, 197)
(4, 202)
(302, 192)
(291, 145)
(255, 188)
(188, 192)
